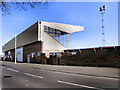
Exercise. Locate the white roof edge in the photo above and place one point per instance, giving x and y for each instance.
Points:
(64, 27)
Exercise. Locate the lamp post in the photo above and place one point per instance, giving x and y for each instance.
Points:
(102, 11)
(15, 47)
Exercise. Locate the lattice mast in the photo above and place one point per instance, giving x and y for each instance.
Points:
(102, 11)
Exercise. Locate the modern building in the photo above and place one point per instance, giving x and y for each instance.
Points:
(41, 38)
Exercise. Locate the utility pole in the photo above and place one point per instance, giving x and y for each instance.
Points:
(15, 48)
(102, 11)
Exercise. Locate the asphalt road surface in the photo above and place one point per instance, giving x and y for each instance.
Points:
(18, 76)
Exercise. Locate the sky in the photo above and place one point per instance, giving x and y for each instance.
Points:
(84, 14)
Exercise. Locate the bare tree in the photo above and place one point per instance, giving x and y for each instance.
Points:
(5, 5)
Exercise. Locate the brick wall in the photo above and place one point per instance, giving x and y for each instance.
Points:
(105, 57)
(32, 48)
(108, 57)
(27, 50)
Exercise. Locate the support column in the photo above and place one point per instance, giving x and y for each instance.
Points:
(68, 40)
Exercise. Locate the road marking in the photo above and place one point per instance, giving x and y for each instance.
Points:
(2, 67)
(78, 85)
(108, 78)
(12, 70)
(85, 75)
(33, 75)
(102, 77)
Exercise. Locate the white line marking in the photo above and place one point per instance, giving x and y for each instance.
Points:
(88, 76)
(101, 77)
(79, 85)
(12, 70)
(2, 67)
(33, 75)
(108, 78)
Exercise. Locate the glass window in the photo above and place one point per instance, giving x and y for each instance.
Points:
(38, 54)
(53, 31)
(56, 34)
(45, 29)
(9, 52)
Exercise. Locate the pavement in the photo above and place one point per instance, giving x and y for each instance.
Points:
(27, 75)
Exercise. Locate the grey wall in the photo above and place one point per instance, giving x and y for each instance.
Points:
(28, 36)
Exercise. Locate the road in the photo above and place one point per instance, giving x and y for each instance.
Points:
(20, 76)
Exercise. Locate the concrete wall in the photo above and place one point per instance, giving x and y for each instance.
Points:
(108, 57)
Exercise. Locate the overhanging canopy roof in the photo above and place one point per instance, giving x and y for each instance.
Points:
(64, 27)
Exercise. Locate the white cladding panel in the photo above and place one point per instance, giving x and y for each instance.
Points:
(50, 44)
(19, 54)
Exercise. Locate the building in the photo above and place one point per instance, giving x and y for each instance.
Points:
(42, 38)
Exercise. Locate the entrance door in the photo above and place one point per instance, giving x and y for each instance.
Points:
(28, 58)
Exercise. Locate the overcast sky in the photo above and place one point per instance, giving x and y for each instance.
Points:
(75, 13)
